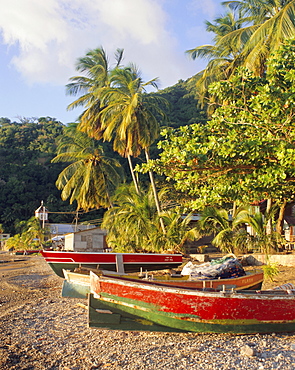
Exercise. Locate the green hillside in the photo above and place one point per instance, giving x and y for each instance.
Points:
(27, 175)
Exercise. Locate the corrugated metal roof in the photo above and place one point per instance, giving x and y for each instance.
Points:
(61, 229)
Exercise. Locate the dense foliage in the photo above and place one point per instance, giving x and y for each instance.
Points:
(246, 35)
(134, 224)
(28, 145)
(26, 174)
(183, 104)
(246, 152)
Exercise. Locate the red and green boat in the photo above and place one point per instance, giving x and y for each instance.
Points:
(120, 262)
(252, 279)
(77, 284)
(117, 303)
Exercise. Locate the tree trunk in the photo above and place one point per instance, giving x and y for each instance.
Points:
(133, 175)
(280, 220)
(155, 192)
(234, 209)
(269, 223)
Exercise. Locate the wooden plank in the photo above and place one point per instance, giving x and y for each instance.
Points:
(120, 263)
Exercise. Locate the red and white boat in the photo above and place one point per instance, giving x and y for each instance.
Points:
(120, 262)
(117, 303)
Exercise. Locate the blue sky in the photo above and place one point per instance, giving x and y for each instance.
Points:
(40, 42)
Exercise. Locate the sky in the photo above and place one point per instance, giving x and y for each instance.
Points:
(40, 42)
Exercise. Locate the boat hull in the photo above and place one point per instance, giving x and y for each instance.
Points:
(75, 285)
(122, 262)
(75, 282)
(252, 280)
(196, 311)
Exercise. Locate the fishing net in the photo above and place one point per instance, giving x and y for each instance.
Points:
(224, 268)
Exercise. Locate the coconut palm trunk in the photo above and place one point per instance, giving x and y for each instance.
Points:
(157, 202)
(132, 174)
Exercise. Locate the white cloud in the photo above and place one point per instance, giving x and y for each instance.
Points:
(140, 20)
(208, 7)
(50, 35)
(31, 23)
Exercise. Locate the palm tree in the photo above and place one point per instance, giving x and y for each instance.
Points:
(131, 221)
(271, 23)
(133, 224)
(229, 233)
(257, 30)
(178, 231)
(263, 239)
(97, 68)
(31, 235)
(91, 177)
(220, 55)
(130, 116)
(16, 242)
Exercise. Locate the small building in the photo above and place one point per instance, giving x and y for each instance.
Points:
(58, 232)
(62, 229)
(91, 240)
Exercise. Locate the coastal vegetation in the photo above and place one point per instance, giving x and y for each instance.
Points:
(220, 144)
(246, 35)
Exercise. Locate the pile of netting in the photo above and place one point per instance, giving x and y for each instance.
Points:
(223, 268)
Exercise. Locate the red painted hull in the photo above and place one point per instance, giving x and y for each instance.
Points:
(59, 260)
(252, 280)
(211, 311)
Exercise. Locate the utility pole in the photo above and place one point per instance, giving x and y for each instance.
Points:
(42, 214)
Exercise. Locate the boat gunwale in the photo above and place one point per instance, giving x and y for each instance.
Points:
(241, 294)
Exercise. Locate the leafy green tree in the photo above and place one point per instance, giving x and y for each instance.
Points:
(90, 178)
(27, 175)
(246, 151)
(183, 108)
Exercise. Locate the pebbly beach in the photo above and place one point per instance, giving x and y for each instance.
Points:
(42, 330)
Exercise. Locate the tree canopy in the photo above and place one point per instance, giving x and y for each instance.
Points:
(246, 151)
(245, 36)
(91, 177)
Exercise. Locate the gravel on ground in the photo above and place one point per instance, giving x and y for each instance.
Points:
(42, 330)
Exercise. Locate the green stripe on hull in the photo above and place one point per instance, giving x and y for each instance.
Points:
(176, 322)
(119, 319)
